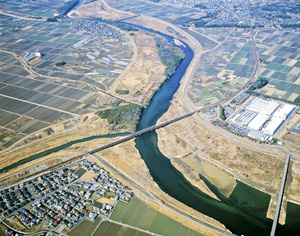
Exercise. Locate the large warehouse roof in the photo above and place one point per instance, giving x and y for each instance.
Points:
(258, 122)
(244, 117)
(262, 106)
(284, 111)
(273, 125)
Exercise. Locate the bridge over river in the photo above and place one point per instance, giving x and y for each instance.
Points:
(141, 132)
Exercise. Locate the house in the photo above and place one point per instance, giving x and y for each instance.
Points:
(93, 215)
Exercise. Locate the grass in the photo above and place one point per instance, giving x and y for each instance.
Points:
(120, 91)
(2, 233)
(80, 171)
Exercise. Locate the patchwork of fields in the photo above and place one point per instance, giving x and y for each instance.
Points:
(226, 69)
(54, 93)
(279, 54)
(43, 9)
(138, 214)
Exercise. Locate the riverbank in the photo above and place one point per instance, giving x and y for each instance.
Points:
(87, 126)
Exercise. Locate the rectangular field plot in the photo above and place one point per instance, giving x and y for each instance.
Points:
(85, 228)
(108, 228)
(8, 138)
(136, 213)
(7, 117)
(15, 70)
(118, 212)
(75, 94)
(62, 104)
(15, 106)
(148, 219)
(173, 228)
(25, 94)
(46, 115)
(26, 125)
(160, 224)
(4, 57)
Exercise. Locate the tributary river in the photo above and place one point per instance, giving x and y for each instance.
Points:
(244, 212)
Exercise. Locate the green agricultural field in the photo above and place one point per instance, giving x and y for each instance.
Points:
(160, 224)
(109, 228)
(136, 213)
(85, 228)
(148, 219)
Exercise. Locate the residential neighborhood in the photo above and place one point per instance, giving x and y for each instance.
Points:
(63, 198)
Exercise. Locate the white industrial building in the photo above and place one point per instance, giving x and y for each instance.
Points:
(258, 122)
(244, 117)
(284, 112)
(262, 118)
(260, 105)
(273, 125)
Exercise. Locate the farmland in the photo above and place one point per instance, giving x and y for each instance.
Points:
(43, 9)
(224, 70)
(110, 228)
(138, 214)
(172, 14)
(85, 228)
(280, 64)
(31, 101)
(205, 42)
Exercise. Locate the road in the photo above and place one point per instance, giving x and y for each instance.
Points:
(281, 191)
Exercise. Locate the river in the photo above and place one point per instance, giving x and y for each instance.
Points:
(244, 212)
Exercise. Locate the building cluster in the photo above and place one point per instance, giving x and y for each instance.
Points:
(262, 118)
(61, 197)
(267, 13)
(179, 3)
(92, 26)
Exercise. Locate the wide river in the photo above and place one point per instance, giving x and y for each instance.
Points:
(244, 212)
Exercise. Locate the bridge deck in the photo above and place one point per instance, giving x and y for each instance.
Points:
(277, 212)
